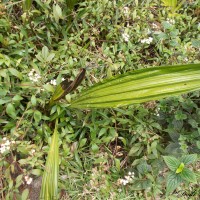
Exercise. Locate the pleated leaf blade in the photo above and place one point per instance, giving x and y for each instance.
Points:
(140, 86)
(49, 189)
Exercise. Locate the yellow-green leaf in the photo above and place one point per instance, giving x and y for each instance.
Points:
(140, 86)
(180, 168)
(49, 189)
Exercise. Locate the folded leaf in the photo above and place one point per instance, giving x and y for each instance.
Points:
(66, 87)
(49, 189)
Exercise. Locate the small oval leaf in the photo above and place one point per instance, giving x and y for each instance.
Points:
(10, 110)
(16, 73)
(25, 194)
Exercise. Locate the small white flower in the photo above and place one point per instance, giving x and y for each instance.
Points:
(132, 174)
(75, 59)
(171, 21)
(125, 182)
(34, 76)
(8, 147)
(147, 40)
(2, 149)
(143, 41)
(53, 82)
(28, 180)
(125, 37)
(4, 138)
(13, 142)
(7, 143)
(63, 79)
(150, 39)
(30, 73)
(126, 10)
(186, 59)
(32, 151)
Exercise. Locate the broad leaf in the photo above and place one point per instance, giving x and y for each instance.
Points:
(173, 181)
(134, 149)
(188, 175)
(140, 86)
(45, 52)
(15, 72)
(187, 159)
(57, 12)
(171, 162)
(10, 110)
(25, 194)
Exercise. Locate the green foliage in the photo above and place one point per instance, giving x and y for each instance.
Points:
(140, 86)
(49, 189)
(173, 5)
(27, 4)
(49, 41)
(179, 173)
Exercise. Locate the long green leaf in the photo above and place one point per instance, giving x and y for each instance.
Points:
(27, 4)
(49, 189)
(140, 86)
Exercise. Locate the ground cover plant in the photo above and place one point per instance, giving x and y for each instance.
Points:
(142, 151)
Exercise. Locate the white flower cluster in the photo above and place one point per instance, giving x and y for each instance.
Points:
(171, 21)
(34, 76)
(126, 11)
(28, 180)
(53, 82)
(147, 40)
(157, 112)
(32, 151)
(126, 179)
(6, 145)
(125, 37)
